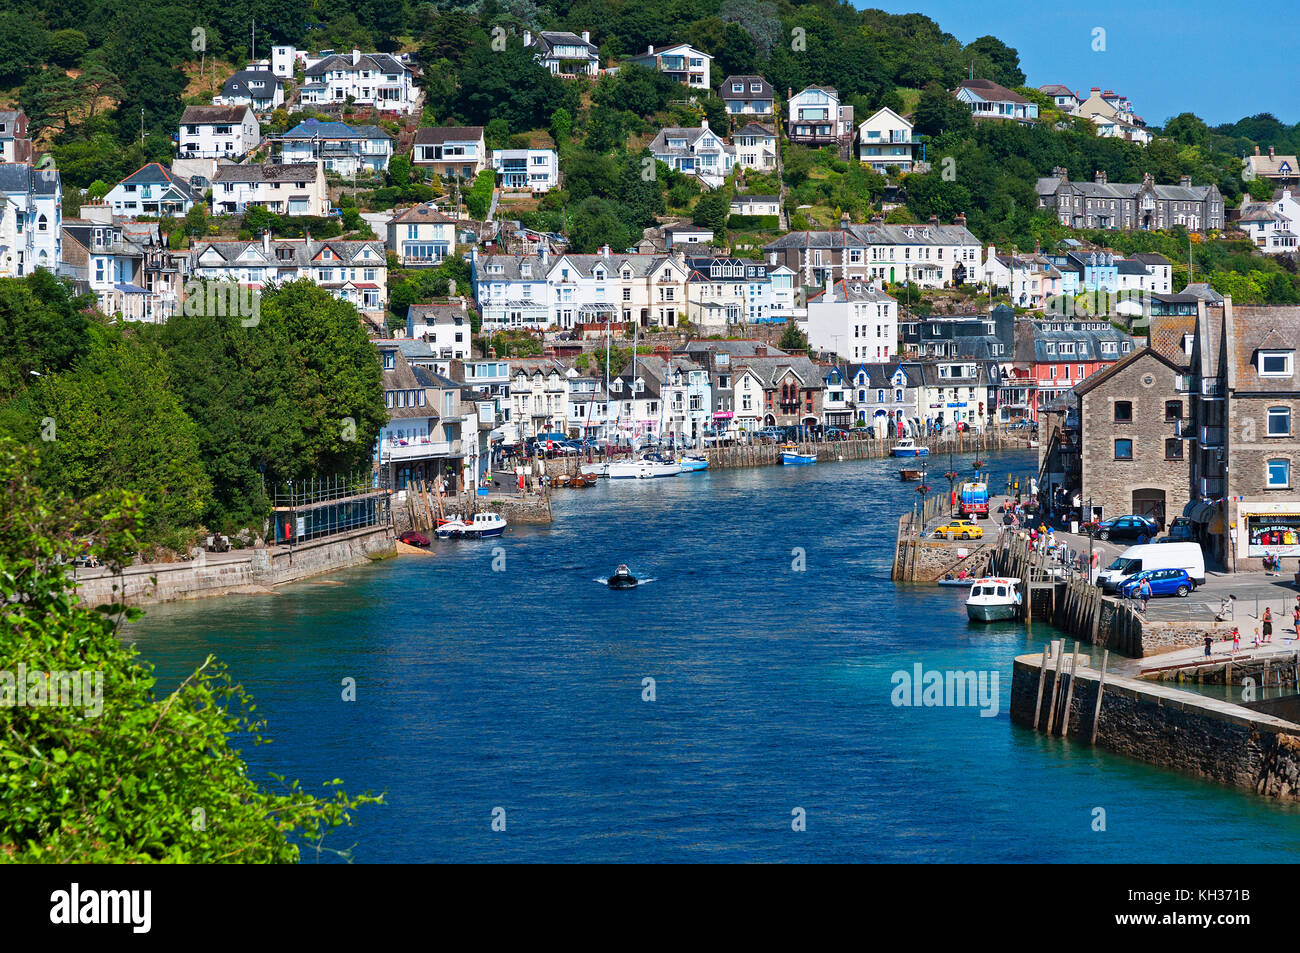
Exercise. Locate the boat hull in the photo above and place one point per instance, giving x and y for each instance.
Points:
(693, 466)
(991, 613)
(622, 582)
(797, 459)
(911, 452)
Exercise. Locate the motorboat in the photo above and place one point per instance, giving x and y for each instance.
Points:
(650, 466)
(622, 578)
(910, 475)
(693, 462)
(993, 598)
(593, 471)
(478, 526)
(792, 458)
(907, 447)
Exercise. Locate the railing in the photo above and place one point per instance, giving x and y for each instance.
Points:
(1211, 436)
(1212, 486)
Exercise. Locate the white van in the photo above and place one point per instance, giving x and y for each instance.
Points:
(1154, 556)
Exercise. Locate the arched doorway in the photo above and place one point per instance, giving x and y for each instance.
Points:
(1150, 502)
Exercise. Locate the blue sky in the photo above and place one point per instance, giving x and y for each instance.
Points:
(1167, 57)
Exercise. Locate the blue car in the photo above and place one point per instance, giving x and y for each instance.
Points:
(1164, 582)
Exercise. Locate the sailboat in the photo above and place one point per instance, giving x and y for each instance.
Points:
(651, 465)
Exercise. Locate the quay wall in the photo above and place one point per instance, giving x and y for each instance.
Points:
(1164, 726)
(248, 571)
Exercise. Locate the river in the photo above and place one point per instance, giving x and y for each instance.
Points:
(501, 674)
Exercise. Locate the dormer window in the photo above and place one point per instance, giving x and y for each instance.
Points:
(1275, 363)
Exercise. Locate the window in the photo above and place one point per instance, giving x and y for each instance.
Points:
(1123, 449)
(1173, 448)
(1274, 363)
(1279, 473)
(1123, 411)
(1173, 410)
(1279, 421)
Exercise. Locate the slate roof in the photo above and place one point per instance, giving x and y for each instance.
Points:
(315, 129)
(659, 145)
(20, 177)
(379, 62)
(437, 135)
(304, 251)
(210, 115)
(239, 84)
(847, 290)
(725, 91)
(988, 90)
(859, 236)
(423, 215)
(266, 172)
(1256, 328)
(547, 41)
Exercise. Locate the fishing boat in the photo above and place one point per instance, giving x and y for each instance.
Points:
(622, 578)
(792, 458)
(693, 462)
(478, 526)
(993, 598)
(907, 448)
(910, 475)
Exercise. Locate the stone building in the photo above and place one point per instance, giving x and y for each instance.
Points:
(1144, 205)
(1131, 446)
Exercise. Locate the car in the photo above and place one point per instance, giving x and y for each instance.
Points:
(1181, 530)
(959, 529)
(412, 538)
(769, 435)
(835, 433)
(1137, 528)
(1164, 582)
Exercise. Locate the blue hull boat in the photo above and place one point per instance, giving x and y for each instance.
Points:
(693, 464)
(797, 459)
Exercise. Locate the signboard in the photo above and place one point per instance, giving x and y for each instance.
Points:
(1273, 534)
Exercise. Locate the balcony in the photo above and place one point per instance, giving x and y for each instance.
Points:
(1212, 487)
(393, 452)
(1212, 437)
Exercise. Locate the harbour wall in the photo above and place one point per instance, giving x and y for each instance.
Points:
(1206, 737)
(255, 570)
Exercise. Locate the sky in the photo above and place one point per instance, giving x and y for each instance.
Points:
(1166, 56)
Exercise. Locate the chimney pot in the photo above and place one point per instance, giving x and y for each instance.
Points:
(586, 36)
(356, 57)
(1270, 152)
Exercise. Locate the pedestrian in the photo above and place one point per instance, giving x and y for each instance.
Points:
(1296, 619)
(1268, 624)
(1209, 641)
(1144, 593)
(1236, 639)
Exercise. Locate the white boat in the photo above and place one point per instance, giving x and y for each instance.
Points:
(907, 448)
(479, 526)
(591, 470)
(649, 467)
(993, 598)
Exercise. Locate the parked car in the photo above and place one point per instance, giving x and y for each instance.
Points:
(835, 433)
(959, 529)
(412, 538)
(1164, 582)
(1181, 530)
(769, 435)
(1137, 528)
(718, 438)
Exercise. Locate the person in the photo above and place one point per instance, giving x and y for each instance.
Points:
(1295, 627)
(1236, 639)
(1268, 624)
(1144, 593)
(1209, 641)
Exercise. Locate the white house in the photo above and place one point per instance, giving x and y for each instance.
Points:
(682, 62)
(445, 325)
(421, 235)
(151, 190)
(817, 118)
(31, 219)
(450, 151)
(1113, 116)
(686, 235)
(748, 96)
(259, 89)
(756, 205)
(721, 292)
(296, 189)
(755, 147)
(1063, 97)
(353, 271)
(854, 320)
(884, 140)
(366, 79)
(695, 151)
(988, 100)
(565, 54)
(282, 60)
(343, 149)
(217, 132)
(526, 170)
(511, 290)
(1030, 280)
(1268, 228)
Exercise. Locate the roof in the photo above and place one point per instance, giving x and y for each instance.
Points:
(381, 62)
(301, 252)
(240, 84)
(725, 91)
(1100, 377)
(266, 172)
(692, 135)
(436, 135)
(207, 115)
(754, 129)
(421, 214)
(988, 90)
(315, 129)
(154, 173)
(20, 177)
(845, 291)
(549, 40)
(1056, 89)
(859, 236)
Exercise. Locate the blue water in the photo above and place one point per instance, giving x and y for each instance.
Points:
(522, 689)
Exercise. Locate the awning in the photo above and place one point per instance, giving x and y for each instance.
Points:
(1199, 512)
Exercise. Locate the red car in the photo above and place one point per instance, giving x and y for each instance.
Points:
(412, 538)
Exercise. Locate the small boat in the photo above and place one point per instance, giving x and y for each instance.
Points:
(693, 462)
(907, 448)
(951, 580)
(906, 474)
(580, 482)
(650, 466)
(993, 598)
(479, 526)
(593, 471)
(561, 479)
(791, 459)
(622, 578)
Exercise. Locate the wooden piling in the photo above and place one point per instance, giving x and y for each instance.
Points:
(1101, 685)
(1042, 678)
(1069, 693)
(1059, 648)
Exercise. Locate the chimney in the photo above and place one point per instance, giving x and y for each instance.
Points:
(604, 251)
(1148, 179)
(586, 36)
(266, 241)
(1096, 89)
(830, 286)
(1099, 177)
(760, 350)
(1270, 152)
(546, 256)
(1186, 180)
(934, 220)
(356, 57)
(650, 50)
(959, 219)
(1060, 173)
(1257, 150)
(704, 124)
(528, 38)
(844, 221)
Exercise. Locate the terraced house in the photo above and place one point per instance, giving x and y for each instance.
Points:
(1144, 205)
(31, 219)
(777, 392)
(292, 189)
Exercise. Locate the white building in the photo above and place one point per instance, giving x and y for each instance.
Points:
(297, 189)
(282, 60)
(31, 219)
(259, 89)
(885, 140)
(445, 325)
(755, 205)
(217, 132)
(526, 170)
(565, 54)
(151, 190)
(421, 235)
(682, 62)
(365, 79)
(450, 151)
(1271, 231)
(344, 150)
(695, 151)
(818, 118)
(854, 320)
(755, 147)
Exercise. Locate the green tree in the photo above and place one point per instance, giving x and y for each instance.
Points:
(792, 339)
(938, 111)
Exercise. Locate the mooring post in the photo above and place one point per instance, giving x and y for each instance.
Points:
(1101, 684)
(1059, 648)
(1069, 693)
(1042, 677)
